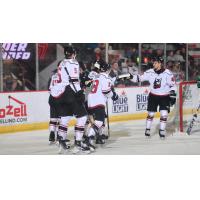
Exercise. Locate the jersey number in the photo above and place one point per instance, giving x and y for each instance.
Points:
(95, 85)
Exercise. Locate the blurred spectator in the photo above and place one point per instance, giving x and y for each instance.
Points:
(134, 55)
(115, 71)
(128, 52)
(150, 54)
(170, 56)
(183, 52)
(159, 52)
(11, 83)
(179, 75)
(178, 57)
(97, 52)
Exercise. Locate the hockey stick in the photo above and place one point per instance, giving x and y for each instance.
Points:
(70, 79)
(108, 124)
(192, 122)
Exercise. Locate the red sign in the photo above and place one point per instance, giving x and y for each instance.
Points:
(14, 111)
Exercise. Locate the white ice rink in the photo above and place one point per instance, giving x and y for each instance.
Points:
(127, 138)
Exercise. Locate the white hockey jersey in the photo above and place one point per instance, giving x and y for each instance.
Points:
(160, 83)
(101, 90)
(72, 67)
(55, 79)
(93, 75)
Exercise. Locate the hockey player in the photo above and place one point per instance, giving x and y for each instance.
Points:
(54, 115)
(86, 80)
(71, 99)
(101, 91)
(162, 94)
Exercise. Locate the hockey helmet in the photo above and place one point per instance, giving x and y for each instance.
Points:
(105, 67)
(69, 50)
(157, 59)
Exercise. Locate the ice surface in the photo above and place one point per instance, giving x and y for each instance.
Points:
(127, 138)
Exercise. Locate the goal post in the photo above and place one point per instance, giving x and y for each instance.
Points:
(188, 101)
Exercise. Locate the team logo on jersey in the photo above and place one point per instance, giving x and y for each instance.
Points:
(14, 112)
(15, 51)
(157, 83)
(121, 105)
(141, 101)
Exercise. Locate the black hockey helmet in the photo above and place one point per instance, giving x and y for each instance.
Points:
(101, 65)
(157, 59)
(105, 67)
(69, 50)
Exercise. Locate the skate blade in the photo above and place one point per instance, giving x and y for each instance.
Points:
(148, 136)
(79, 151)
(63, 151)
(162, 138)
(92, 149)
(52, 143)
(75, 150)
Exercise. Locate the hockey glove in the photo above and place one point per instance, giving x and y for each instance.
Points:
(172, 97)
(115, 96)
(124, 77)
(80, 96)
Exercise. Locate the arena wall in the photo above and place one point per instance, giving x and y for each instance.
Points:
(23, 111)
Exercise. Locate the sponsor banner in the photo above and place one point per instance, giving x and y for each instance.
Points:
(23, 108)
(131, 101)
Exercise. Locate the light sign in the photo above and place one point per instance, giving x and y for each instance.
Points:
(15, 51)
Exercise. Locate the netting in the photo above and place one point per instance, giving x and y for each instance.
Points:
(185, 110)
(189, 103)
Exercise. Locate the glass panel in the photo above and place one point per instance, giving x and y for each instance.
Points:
(176, 60)
(194, 60)
(123, 58)
(18, 66)
(47, 55)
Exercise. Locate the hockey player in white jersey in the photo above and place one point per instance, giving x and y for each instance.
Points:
(101, 91)
(71, 98)
(86, 83)
(162, 94)
(54, 110)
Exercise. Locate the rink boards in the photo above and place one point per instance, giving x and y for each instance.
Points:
(21, 111)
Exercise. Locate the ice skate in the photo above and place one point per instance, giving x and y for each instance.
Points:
(100, 140)
(104, 137)
(91, 143)
(80, 147)
(52, 139)
(147, 133)
(162, 134)
(64, 147)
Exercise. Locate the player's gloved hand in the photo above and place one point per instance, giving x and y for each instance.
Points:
(88, 83)
(124, 77)
(115, 96)
(80, 96)
(172, 97)
(131, 76)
